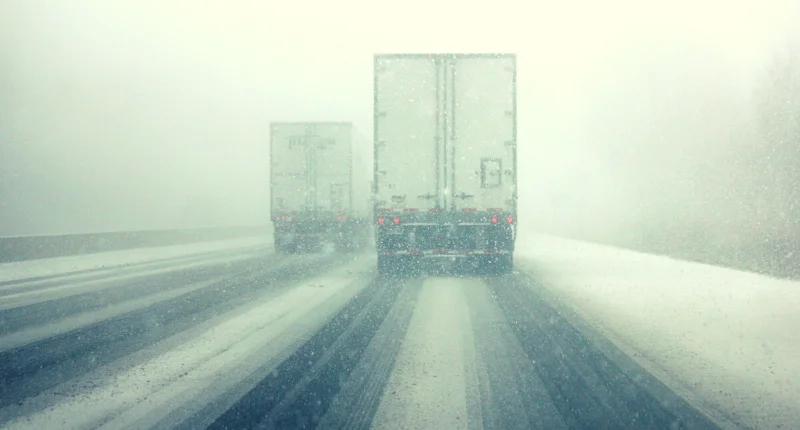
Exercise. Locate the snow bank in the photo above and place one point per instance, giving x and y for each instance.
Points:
(725, 338)
(62, 265)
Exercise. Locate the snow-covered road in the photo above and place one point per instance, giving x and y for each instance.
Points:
(239, 337)
(725, 339)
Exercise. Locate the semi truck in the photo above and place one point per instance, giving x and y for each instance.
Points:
(319, 186)
(445, 159)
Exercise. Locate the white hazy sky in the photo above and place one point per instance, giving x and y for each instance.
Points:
(154, 113)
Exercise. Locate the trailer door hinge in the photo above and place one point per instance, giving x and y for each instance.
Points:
(463, 196)
(427, 196)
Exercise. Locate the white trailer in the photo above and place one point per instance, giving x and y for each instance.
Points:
(314, 198)
(445, 178)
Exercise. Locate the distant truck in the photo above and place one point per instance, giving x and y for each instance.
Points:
(319, 187)
(445, 151)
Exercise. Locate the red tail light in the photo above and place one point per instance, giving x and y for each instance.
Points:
(397, 220)
(494, 220)
(510, 220)
(380, 220)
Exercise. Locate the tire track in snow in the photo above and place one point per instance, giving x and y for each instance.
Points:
(46, 281)
(99, 295)
(30, 369)
(75, 322)
(81, 292)
(512, 395)
(162, 391)
(589, 390)
(356, 403)
(299, 392)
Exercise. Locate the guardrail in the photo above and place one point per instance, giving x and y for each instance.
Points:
(20, 248)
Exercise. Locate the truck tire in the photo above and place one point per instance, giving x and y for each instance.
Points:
(387, 264)
(505, 264)
(494, 265)
(281, 247)
(393, 264)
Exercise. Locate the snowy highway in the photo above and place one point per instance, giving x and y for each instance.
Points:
(242, 337)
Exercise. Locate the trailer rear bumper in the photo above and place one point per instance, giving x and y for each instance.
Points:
(478, 263)
(447, 253)
(445, 239)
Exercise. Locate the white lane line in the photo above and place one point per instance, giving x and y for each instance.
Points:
(210, 363)
(78, 321)
(61, 291)
(428, 386)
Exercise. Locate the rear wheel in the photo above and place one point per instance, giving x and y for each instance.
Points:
(505, 264)
(394, 264)
(501, 264)
(284, 247)
(387, 264)
(280, 246)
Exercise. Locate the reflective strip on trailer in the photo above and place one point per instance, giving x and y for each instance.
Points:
(473, 210)
(444, 252)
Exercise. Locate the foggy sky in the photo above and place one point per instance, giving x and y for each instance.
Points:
(154, 114)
